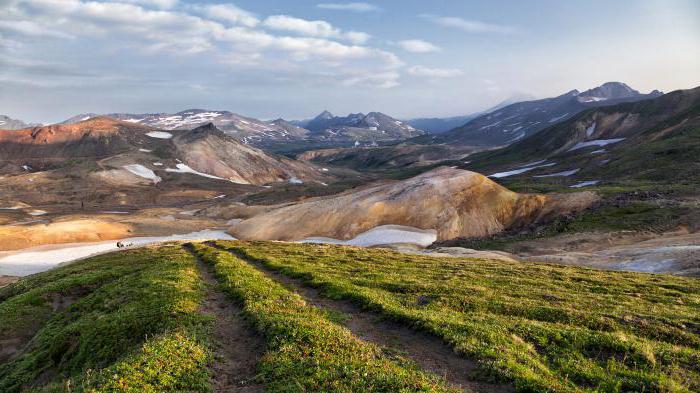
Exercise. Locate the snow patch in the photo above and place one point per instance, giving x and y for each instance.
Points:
(145, 150)
(590, 130)
(552, 120)
(182, 168)
(295, 180)
(37, 212)
(142, 171)
(564, 173)
(585, 184)
(159, 134)
(42, 258)
(384, 234)
(595, 142)
(500, 175)
(601, 151)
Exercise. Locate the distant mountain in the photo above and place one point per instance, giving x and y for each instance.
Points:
(374, 126)
(8, 123)
(122, 147)
(246, 129)
(517, 121)
(325, 127)
(438, 125)
(209, 150)
(656, 139)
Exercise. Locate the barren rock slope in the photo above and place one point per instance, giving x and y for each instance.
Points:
(454, 202)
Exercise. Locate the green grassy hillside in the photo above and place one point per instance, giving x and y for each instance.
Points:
(134, 321)
(662, 147)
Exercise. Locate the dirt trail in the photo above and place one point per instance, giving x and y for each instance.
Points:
(237, 349)
(428, 351)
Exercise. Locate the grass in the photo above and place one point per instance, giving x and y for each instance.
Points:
(542, 327)
(125, 321)
(307, 351)
(638, 216)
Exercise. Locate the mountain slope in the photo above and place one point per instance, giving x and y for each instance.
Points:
(8, 123)
(454, 202)
(655, 139)
(96, 137)
(208, 150)
(438, 125)
(122, 148)
(520, 120)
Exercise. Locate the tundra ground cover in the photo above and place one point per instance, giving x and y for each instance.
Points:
(544, 327)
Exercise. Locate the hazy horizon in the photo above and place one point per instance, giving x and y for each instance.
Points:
(269, 59)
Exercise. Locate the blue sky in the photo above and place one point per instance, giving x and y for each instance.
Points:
(292, 59)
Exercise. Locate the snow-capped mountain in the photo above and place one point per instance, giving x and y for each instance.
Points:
(8, 123)
(520, 120)
(246, 129)
(611, 91)
(374, 126)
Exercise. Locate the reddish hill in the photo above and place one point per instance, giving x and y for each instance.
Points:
(98, 137)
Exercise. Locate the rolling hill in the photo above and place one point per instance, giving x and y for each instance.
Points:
(269, 316)
(453, 202)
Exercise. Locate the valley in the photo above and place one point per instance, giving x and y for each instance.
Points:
(353, 253)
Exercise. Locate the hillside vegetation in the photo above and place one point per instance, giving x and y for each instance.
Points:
(136, 321)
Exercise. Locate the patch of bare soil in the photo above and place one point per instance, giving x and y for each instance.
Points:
(429, 352)
(237, 348)
(7, 280)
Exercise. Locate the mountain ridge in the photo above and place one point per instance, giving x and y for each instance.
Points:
(516, 121)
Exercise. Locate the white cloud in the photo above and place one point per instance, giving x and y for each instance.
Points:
(163, 4)
(469, 26)
(427, 72)
(29, 28)
(230, 13)
(418, 46)
(230, 35)
(313, 28)
(356, 6)
(382, 80)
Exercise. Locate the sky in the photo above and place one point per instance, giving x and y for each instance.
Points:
(293, 59)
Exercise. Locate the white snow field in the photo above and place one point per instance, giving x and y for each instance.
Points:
(564, 173)
(383, 234)
(182, 168)
(595, 142)
(590, 130)
(159, 134)
(519, 171)
(41, 258)
(585, 184)
(142, 171)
